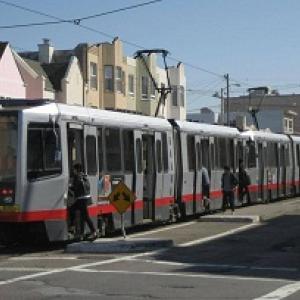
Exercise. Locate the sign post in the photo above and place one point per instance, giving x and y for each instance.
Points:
(121, 198)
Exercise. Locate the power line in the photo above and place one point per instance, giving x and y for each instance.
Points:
(75, 21)
(71, 21)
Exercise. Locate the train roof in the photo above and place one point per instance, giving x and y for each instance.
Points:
(207, 129)
(97, 116)
(265, 136)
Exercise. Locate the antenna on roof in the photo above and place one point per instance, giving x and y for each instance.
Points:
(163, 90)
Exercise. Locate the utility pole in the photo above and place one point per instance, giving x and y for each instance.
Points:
(226, 76)
(222, 106)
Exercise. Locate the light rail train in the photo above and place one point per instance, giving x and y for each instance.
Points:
(159, 160)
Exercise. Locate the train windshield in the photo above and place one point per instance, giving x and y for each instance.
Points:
(8, 148)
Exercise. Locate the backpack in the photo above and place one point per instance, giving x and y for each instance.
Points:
(85, 187)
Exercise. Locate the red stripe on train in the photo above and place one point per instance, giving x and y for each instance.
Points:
(61, 214)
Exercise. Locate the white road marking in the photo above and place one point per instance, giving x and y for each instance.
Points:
(216, 266)
(55, 271)
(220, 235)
(282, 292)
(174, 274)
(23, 269)
(44, 258)
(124, 258)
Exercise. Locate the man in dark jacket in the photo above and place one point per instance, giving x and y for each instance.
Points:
(244, 182)
(80, 188)
(228, 183)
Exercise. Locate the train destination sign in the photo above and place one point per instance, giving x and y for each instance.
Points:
(121, 197)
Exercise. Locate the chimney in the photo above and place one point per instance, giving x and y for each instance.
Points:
(45, 52)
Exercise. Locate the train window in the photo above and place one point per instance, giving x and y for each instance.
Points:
(158, 156)
(251, 154)
(100, 149)
(298, 154)
(223, 153)
(271, 159)
(199, 158)
(205, 153)
(165, 152)
(113, 149)
(91, 155)
(43, 151)
(240, 152)
(138, 145)
(128, 150)
(287, 156)
(282, 156)
(191, 152)
(212, 156)
(231, 154)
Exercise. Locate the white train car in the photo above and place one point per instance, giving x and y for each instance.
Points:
(272, 170)
(40, 143)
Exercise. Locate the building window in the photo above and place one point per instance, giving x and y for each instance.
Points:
(108, 78)
(181, 95)
(144, 87)
(93, 76)
(118, 77)
(131, 84)
(288, 125)
(152, 89)
(174, 95)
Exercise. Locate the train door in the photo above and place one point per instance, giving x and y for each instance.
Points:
(290, 190)
(91, 163)
(189, 181)
(162, 207)
(297, 168)
(261, 168)
(168, 171)
(199, 205)
(148, 176)
(75, 140)
(75, 146)
(128, 167)
(283, 171)
(138, 181)
(205, 162)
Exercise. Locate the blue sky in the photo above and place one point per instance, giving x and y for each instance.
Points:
(255, 41)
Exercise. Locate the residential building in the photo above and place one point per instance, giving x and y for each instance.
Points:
(131, 91)
(11, 81)
(35, 78)
(59, 72)
(206, 115)
(67, 81)
(146, 95)
(176, 107)
(286, 107)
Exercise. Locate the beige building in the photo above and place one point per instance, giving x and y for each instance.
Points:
(110, 80)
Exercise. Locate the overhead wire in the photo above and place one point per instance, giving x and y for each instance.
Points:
(75, 21)
(71, 21)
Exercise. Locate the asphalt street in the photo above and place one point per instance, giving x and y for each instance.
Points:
(210, 259)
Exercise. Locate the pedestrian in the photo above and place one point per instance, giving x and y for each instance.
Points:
(205, 188)
(81, 189)
(244, 182)
(228, 183)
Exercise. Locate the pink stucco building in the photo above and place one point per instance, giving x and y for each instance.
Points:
(11, 82)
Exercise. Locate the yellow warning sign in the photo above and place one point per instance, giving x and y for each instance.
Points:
(121, 197)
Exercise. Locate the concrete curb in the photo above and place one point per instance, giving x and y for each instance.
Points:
(231, 218)
(127, 245)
